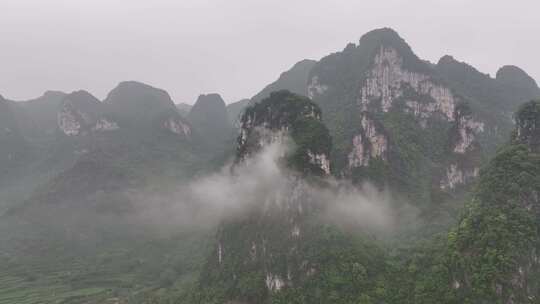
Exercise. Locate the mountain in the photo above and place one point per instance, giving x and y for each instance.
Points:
(183, 109)
(140, 107)
(396, 120)
(493, 250)
(235, 109)
(137, 132)
(272, 251)
(377, 177)
(82, 114)
(514, 76)
(421, 130)
(37, 117)
(209, 117)
(106, 184)
(294, 80)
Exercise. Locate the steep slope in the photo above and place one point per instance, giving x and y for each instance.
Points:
(271, 252)
(398, 120)
(493, 99)
(494, 249)
(395, 121)
(294, 80)
(209, 118)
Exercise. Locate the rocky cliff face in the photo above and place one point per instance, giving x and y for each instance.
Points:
(260, 253)
(386, 83)
(372, 90)
(465, 155)
(371, 143)
(284, 114)
(377, 90)
(82, 114)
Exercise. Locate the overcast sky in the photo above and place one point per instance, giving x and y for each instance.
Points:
(236, 47)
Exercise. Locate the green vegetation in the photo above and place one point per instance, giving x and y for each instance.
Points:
(494, 247)
(300, 117)
(69, 233)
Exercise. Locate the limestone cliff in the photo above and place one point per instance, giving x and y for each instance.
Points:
(272, 249)
(465, 156)
(82, 114)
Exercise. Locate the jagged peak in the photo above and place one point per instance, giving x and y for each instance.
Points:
(210, 99)
(287, 114)
(374, 41)
(209, 106)
(141, 90)
(386, 37)
(515, 76)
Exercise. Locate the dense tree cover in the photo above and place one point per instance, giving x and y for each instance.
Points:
(488, 257)
(495, 244)
(299, 117)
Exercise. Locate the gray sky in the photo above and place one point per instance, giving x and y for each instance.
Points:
(236, 47)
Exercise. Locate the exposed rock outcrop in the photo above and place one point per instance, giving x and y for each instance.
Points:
(370, 144)
(284, 115)
(264, 240)
(81, 114)
(465, 148)
(387, 81)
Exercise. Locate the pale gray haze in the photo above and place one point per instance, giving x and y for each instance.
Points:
(236, 47)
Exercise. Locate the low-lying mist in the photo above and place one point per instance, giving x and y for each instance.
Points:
(208, 200)
(204, 202)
